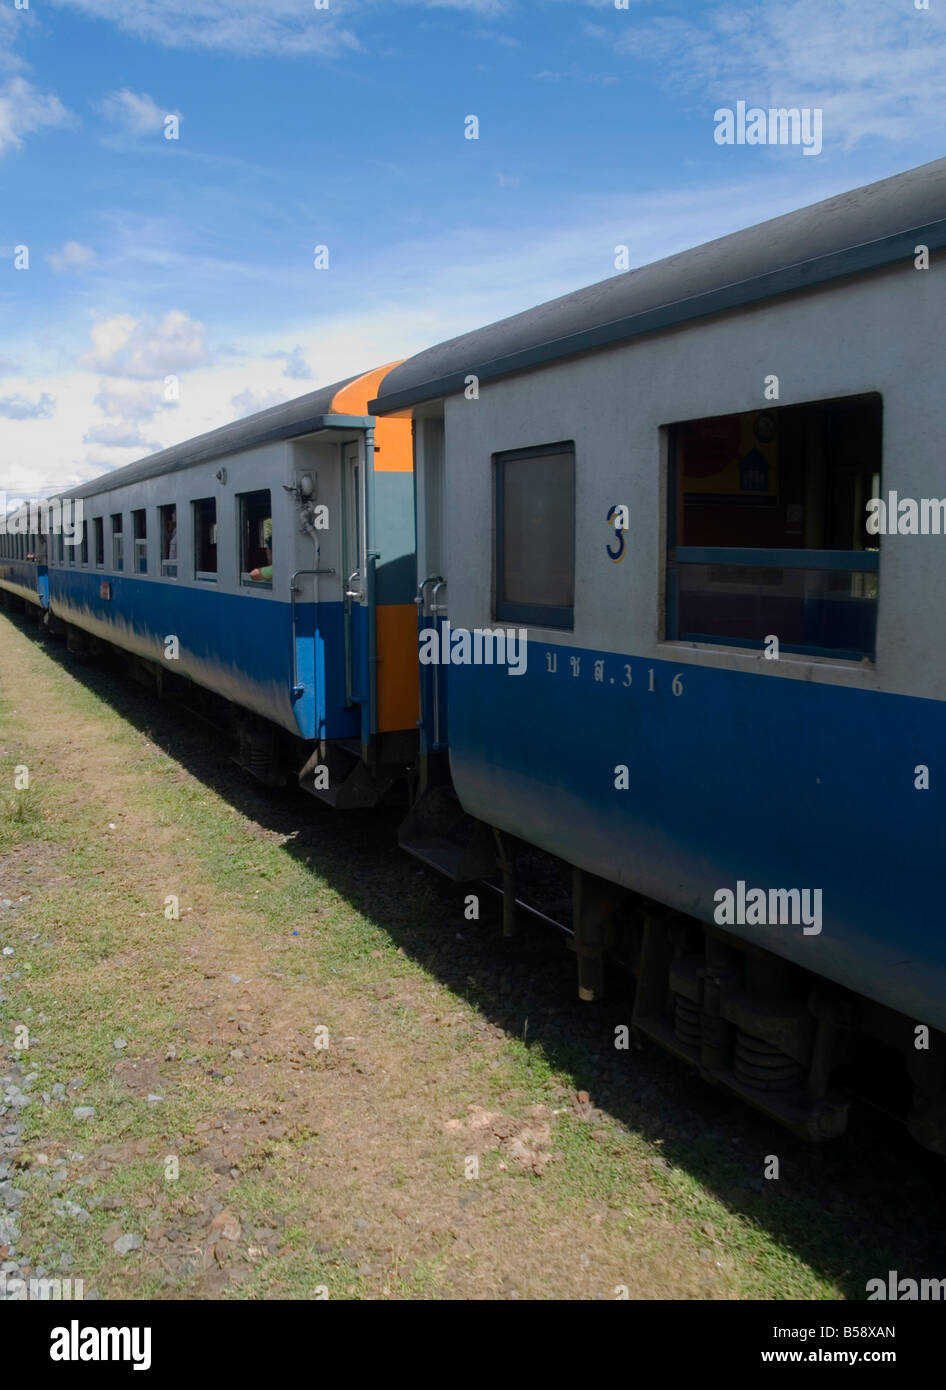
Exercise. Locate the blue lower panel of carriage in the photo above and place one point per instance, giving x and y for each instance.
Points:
(238, 645)
(777, 782)
(22, 577)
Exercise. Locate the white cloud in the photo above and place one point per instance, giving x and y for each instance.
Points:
(142, 349)
(116, 435)
(876, 69)
(480, 7)
(296, 365)
(22, 408)
(11, 27)
(135, 111)
(248, 402)
(286, 28)
(495, 36)
(73, 256)
(131, 400)
(250, 27)
(23, 109)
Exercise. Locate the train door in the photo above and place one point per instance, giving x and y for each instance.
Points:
(42, 569)
(437, 830)
(432, 592)
(356, 595)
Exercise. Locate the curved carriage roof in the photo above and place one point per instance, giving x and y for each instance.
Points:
(286, 421)
(848, 234)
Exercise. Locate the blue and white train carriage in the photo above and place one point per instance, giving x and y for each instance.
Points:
(270, 562)
(732, 724)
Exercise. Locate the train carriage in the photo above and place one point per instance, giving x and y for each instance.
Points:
(731, 725)
(270, 562)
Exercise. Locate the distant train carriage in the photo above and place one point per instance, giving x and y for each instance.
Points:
(731, 726)
(23, 542)
(272, 563)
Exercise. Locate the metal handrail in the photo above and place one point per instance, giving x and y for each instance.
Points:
(297, 689)
(420, 597)
(436, 608)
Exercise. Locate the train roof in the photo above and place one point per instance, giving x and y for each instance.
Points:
(286, 421)
(848, 234)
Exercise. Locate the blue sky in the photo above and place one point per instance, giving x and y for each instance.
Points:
(344, 127)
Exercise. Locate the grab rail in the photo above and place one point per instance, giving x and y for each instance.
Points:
(297, 689)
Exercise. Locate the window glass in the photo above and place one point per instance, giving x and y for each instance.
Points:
(256, 538)
(770, 513)
(168, 519)
(140, 527)
(205, 538)
(535, 535)
(118, 542)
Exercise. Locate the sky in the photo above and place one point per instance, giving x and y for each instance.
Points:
(345, 127)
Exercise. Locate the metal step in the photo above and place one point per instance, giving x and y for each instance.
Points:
(352, 785)
(438, 832)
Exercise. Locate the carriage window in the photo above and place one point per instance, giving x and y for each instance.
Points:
(84, 553)
(256, 539)
(140, 526)
(118, 542)
(99, 538)
(535, 536)
(205, 538)
(768, 528)
(168, 519)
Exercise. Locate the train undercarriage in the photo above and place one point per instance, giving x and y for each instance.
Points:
(793, 1044)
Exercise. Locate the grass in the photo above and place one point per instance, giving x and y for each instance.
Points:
(322, 1141)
